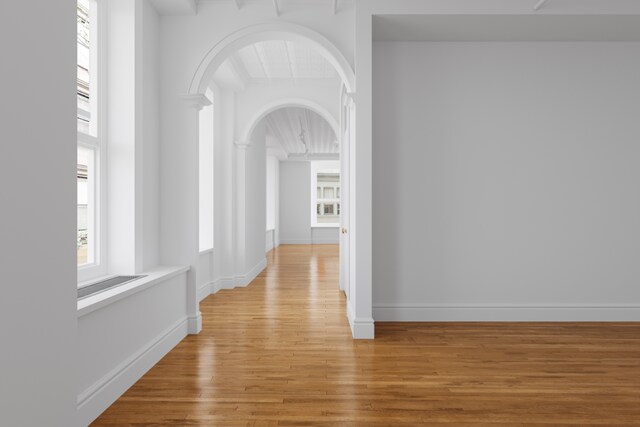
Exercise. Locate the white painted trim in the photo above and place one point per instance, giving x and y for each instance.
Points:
(206, 290)
(361, 329)
(206, 251)
(438, 313)
(99, 396)
(195, 324)
(231, 282)
(103, 299)
(246, 279)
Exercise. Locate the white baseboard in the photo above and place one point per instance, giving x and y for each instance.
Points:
(390, 313)
(245, 279)
(95, 399)
(309, 242)
(361, 329)
(195, 324)
(295, 241)
(205, 290)
(231, 282)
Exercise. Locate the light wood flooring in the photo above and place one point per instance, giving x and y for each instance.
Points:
(279, 353)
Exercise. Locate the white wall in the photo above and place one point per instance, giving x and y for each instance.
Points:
(295, 207)
(37, 247)
(206, 181)
(256, 199)
(272, 176)
(295, 202)
(118, 343)
(150, 136)
(505, 181)
(273, 202)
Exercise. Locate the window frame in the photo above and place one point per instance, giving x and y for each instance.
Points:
(95, 141)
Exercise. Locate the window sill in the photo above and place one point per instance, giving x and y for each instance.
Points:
(325, 226)
(206, 251)
(154, 277)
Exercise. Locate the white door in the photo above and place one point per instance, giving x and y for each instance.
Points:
(344, 196)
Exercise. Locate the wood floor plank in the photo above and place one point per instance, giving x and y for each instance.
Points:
(279, 353)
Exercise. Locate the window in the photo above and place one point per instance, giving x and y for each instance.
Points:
(325, 206)
(88, 169)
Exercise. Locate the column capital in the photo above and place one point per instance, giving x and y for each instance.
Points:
(243, 145)
(351, 98)
(197, 101)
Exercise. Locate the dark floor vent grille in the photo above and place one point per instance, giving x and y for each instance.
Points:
(104, 285)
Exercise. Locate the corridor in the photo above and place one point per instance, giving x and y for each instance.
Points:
(279, 352)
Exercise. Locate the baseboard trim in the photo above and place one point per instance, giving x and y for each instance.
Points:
(195, 324)
(245, 279)
(98, 397)
(308, 242)
(361, 329)
(231, 282)
(390, 313)
(295, 242)
(325, 242)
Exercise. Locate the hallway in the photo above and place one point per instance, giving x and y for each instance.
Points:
(279, 352)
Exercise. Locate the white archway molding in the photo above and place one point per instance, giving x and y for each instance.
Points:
(263, 32)
(289, 102)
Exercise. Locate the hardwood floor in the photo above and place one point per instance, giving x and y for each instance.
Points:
(280, 353)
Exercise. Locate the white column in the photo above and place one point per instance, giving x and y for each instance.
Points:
(240, 210)
(361, 175)
(181, 204)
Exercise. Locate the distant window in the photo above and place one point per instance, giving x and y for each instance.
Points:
(325, 179)
(84, 66)
(90, 145)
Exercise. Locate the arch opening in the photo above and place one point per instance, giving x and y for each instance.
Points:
(264, 32)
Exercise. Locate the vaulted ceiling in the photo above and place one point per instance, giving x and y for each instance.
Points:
(287, 124)
(278, 61)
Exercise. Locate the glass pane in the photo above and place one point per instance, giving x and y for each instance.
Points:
(84, 65)
(85, 219)
(328, 193)
(328, 209)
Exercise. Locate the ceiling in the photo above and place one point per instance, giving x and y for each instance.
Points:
(283, 126)
(444, 28)
(277, 61)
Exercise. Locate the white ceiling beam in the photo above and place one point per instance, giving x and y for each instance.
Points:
(539, 4)
(275, 6)
(335, 6)
(263, 61)
(291, 58)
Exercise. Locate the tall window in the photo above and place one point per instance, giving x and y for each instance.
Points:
(325, 206)
(89, 143)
